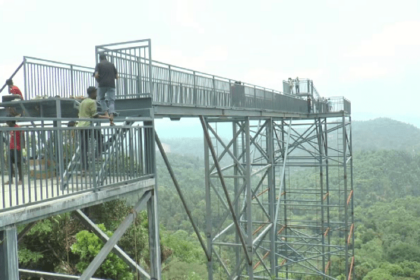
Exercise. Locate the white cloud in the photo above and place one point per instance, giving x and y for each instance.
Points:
(186, 12)
(384, 55)
(365, 71)
(394, 40)
(199, 60)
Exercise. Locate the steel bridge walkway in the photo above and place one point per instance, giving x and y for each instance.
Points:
(274, 135)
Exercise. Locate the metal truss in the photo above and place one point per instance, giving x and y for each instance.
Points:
(279, 198)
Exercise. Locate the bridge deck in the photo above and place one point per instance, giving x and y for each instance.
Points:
(72, 201)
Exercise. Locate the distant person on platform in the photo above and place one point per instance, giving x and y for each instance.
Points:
(309, 104)
(105, 75)
(17, 143)
(15, 91)
(297, 85)
(88, 110)
(329, 105)
(290, 81)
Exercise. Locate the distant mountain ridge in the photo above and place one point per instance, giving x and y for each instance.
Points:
(371, 135)
(385, 134)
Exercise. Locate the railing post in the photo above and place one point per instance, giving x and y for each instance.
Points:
(273, 107)
(214, 94)
(255, 97)
(139, 87)
(170, 89)
(265, 100)
(25, 87)
(231, 93)
(59, 141)
(71, 80)
(150, 70)
(194, 90)
(312, 94)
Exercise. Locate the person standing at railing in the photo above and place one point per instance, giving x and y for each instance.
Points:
(309, 104)
(17, 143)
(297, 85)
(105, 75)
(329, 105)
(15, 91)
(87, 110)
(290, 81)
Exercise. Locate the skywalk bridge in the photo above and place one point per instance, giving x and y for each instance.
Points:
(274, 136)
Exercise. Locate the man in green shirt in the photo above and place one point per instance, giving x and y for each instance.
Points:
(87, 110)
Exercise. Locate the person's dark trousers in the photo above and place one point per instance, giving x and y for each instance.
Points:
(297, 90)
(84, 145)
(16, 159)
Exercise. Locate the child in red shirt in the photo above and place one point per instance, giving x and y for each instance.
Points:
(14, 89)
(17, 143)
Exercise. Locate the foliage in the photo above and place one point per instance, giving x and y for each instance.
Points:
(88, 245)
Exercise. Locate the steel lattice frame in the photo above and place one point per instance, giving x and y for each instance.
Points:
(295, 172)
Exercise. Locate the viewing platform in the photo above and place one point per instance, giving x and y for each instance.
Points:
(146, 89)
(271, 135)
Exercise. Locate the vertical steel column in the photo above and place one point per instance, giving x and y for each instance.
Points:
(346, 225)
(327, 194)
(352, 190)
(152, 204)
(236, 190)
(209, 221)
(248, 198)
(321, 182)
(271, 195)
(284, 156)
(9, 263)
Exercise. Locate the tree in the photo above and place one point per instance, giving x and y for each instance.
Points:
(88, 246)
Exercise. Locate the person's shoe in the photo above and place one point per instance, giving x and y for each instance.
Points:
(19, 182)
(8, 182)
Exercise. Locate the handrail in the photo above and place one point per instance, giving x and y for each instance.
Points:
(168, 84)
(63, 161)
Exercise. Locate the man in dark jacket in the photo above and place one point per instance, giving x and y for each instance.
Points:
(106, 74)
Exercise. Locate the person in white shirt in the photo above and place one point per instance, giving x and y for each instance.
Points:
(290, 85)
(297, 85)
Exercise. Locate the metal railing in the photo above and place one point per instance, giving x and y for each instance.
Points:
(46, 78)
(338, 104)
(169, 85)
(47, 160)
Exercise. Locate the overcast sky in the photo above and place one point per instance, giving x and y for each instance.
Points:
(365, 50)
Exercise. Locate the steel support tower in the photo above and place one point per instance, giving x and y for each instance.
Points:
(284, 188)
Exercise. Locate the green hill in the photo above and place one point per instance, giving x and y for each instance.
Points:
(385, 134)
